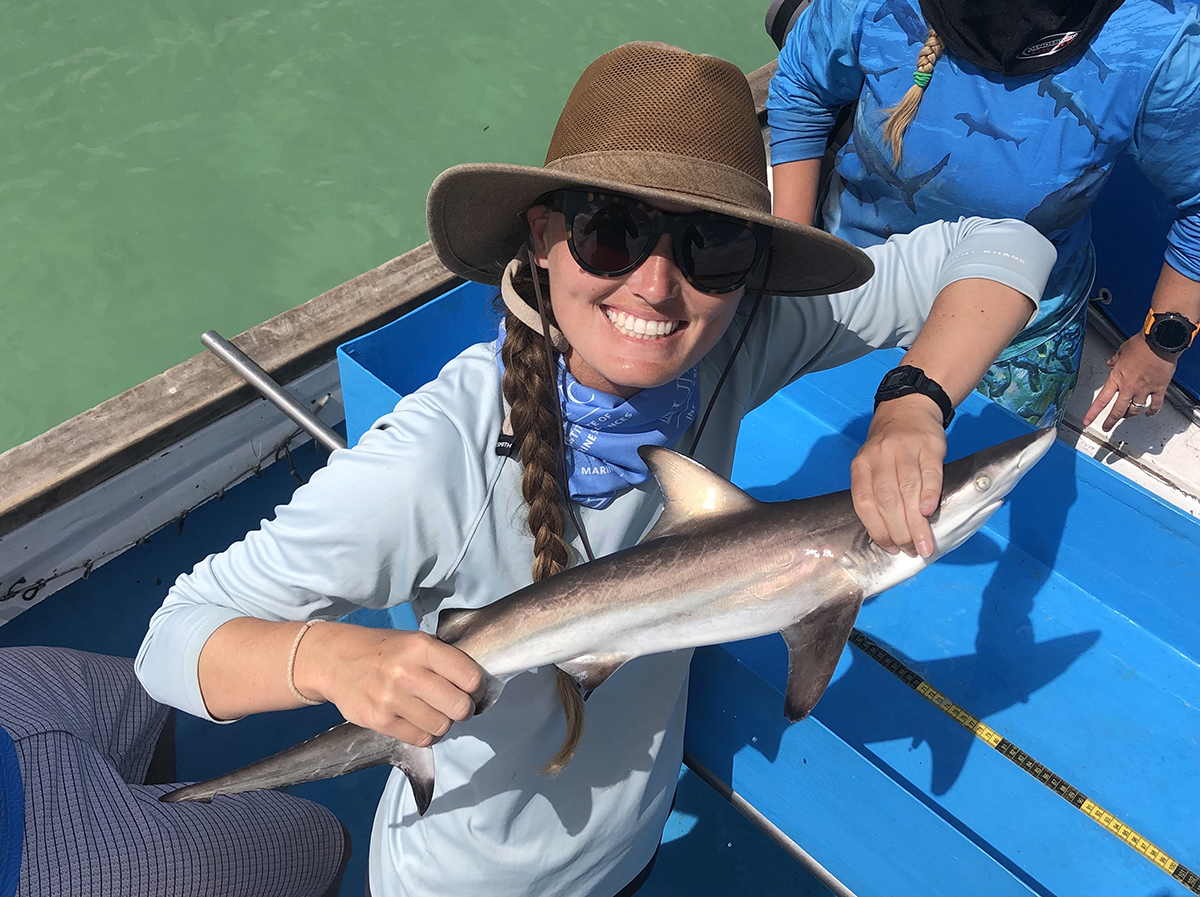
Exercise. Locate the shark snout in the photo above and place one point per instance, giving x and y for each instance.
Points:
(1036, 449)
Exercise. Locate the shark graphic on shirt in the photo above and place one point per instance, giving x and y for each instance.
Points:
(914, 28)
(985, 127)
(1064, 99)
(1060, 210)
(877, 73)
(1101, 69)
(876, 165)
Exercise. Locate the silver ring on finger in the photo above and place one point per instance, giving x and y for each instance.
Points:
(1141, 406)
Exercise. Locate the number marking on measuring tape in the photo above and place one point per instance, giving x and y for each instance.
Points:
(1055, 783)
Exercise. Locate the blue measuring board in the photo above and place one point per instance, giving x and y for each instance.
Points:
(1070, 625)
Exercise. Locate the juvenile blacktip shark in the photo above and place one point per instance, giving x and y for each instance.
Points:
(718, 566)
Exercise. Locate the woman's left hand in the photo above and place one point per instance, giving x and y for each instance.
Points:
(896, 477)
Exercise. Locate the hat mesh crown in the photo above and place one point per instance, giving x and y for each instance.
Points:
(656, 98)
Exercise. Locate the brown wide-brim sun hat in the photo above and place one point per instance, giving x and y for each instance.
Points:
(655, 122)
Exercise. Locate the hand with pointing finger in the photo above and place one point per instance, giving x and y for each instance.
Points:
(1136, 384)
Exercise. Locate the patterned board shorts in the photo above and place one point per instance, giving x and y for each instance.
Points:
(84, 732)
(1037, 384)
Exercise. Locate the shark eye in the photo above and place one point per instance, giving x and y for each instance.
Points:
(983, 482)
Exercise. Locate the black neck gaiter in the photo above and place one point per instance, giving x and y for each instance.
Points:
(1017, 37)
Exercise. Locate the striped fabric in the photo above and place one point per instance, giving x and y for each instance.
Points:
(84, 732)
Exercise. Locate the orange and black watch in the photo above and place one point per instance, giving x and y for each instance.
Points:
(1169, 331)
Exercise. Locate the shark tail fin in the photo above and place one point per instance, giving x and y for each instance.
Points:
(572, 701)
(815, 645)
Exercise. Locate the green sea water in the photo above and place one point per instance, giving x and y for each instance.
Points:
(170, 167)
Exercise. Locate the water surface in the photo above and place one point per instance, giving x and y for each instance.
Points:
(170, 167)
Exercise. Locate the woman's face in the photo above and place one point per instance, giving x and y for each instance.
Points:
(601, 316)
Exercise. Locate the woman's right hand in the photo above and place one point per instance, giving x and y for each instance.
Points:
(405, 684)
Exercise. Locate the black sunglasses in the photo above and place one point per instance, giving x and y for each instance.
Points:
(610, 235)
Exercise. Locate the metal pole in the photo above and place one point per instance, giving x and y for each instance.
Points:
(772, 831)
(272, 391)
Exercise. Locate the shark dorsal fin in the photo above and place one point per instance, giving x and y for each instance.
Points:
(691, 492)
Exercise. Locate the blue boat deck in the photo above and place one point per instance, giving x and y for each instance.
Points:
(1070, 626)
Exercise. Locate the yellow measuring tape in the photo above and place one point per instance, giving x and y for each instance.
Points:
(1057, 784)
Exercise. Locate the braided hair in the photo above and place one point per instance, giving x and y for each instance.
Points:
(902, 114)
(530, 390)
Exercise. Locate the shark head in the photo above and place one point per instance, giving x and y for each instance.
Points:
(975, 486)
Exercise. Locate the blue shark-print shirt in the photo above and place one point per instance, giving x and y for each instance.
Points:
(1037, 147)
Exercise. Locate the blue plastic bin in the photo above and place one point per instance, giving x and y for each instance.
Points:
(382, 366)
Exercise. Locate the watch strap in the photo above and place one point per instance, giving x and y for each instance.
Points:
(1152, 315)
(906, 380)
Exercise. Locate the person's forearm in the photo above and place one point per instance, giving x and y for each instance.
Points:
(243, 667)
(794, 187)
(969, 325)
(1178, 293)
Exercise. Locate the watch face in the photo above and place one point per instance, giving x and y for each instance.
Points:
(896, 379)
(1170, 335)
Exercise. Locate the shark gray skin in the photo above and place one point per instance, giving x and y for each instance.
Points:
(718, 566)
(987, 129)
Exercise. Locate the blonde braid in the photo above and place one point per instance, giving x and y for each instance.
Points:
(529, 388)
(901, 115)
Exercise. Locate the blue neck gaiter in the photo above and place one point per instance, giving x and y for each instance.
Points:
(605, 431)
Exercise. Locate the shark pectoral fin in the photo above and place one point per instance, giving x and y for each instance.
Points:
(814, 646)
(590, 672)
(417, 765)
(691, 492)
(453, 623)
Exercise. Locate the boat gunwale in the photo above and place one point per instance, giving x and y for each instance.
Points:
(90, 448)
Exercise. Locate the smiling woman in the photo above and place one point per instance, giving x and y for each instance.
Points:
(446, 500)
(634, 332)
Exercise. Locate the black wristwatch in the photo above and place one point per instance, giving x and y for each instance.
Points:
(905, 380)
(1169, 331)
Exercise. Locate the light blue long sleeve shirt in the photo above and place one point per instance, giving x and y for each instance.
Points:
(423, 510)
